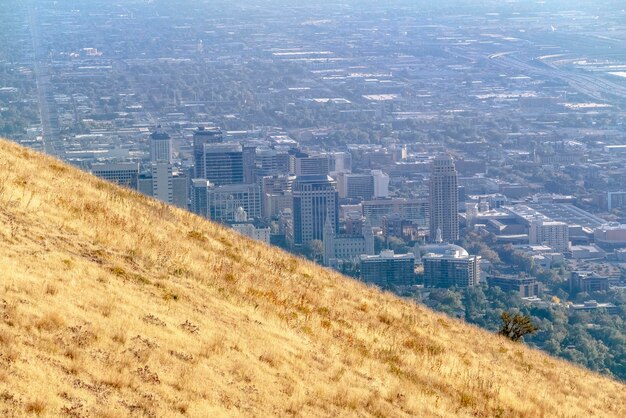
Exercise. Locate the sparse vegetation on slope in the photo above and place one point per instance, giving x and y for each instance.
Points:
(113, 304)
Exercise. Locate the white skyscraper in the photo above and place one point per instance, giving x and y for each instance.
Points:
(160, 147)
(162, 182)
(381, 184)
(444, 197)
(161, 166)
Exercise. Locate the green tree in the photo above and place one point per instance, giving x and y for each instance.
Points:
(516, 326)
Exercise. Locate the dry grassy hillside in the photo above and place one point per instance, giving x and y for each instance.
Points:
(115, 305)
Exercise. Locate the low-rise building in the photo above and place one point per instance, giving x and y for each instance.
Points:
(526, 287)
(611, 235)
(588, 281)
(592, 305)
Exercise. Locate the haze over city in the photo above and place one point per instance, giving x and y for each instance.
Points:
(465, 157)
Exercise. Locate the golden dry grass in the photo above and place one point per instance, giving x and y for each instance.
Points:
(115, 305)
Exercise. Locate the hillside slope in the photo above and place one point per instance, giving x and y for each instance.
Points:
(115, 305)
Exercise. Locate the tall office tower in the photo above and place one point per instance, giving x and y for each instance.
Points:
(160, 147)
(265, 163)
(124, 174)
(355, 186)
(305, 165)
(415, 210)
(381, 184)
(283, 162)
(201, 137)
(339, 162)
(224, 201)
(248, 158)
(162, 182)
(161, 165)
(180, 190)
(444, 196)
(199, 197)
(144, 184)
(314, 200)
(223, 164)
(276, 194)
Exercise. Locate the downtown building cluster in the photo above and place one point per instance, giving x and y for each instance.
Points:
(311, 203)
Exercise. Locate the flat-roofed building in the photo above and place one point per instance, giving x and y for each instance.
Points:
(223, 164)
(355, 186)
(124, 174)
(592, 305)
(588, 281)
(551, 233)
(314, 201)
(200, 196)
(201, 137)
(615, 200)
(180, 190)
(311, 165)
(611, 235)
(162, 182)
(415, 210)
(388, 269)
(525, 286)
(580, 224)
(224, 201)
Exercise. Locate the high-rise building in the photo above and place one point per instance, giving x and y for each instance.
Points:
(162, 182)
(144, 184)
(339, 162)
(381, 184)
(355, 186)
(160, 147)
(124, 174)
(223, 164)
(615, 200)
(415, 210)
(388, 269)
(224, 201)
(248, 156)
(161, 165)
(180, 186)
(200, 197)
(276, 194)
(548, 232)
(444, 199)
(265, 163)
(201, 137)
(305, 165)
(314, 200)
